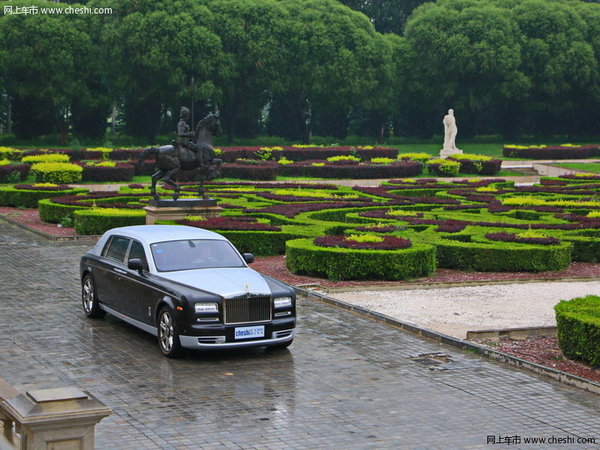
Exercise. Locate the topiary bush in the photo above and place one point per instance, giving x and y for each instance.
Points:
(108, 171)
(304, 257)
(27, 196)
(99, 220)
(46, 158)
(578, 328)
(56, 172)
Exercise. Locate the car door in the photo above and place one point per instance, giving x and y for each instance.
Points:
(109, 274)
(139, 294)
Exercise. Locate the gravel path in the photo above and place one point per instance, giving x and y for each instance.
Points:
(456, 310)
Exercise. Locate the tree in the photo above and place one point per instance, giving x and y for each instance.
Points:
(388, 16)
(329, 63)
(162, 55)
(42, 64)
(248, 31)
(467, 56)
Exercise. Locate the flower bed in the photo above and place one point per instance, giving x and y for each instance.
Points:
(27, 196)
(383, 243)
(510, 237)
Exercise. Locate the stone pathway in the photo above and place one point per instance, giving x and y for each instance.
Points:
(346, 382)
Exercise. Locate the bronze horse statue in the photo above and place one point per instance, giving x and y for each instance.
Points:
(170, 159)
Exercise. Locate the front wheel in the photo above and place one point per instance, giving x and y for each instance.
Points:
(89, 300)
(168, 336)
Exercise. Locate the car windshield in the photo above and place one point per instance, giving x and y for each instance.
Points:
(194, 254)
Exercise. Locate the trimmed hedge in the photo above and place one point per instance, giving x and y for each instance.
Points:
(260, 243)
(21, 169)
(267, 171)
(502, 257)
(28, 198)
(120, 172)
(56, 172)
(54, 213)
(578, 328)
(356, 171)
(99, 220)
(554, 152)
(303, 257)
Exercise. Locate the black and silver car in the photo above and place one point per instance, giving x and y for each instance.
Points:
(188, 286)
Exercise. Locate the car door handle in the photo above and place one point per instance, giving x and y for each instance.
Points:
(121, 271)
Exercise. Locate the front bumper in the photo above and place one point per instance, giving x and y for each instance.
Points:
(219, 342)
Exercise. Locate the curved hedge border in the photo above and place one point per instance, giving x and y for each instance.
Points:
(578, 327)
(99, 220)
(28, 198)
(304, 257)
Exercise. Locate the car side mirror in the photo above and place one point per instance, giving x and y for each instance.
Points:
(135, 264)
(248, 257)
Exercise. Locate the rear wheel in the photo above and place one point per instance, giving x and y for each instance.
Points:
(89, 300)
(168, 336)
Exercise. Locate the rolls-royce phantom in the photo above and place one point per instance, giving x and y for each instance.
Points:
(188, 286)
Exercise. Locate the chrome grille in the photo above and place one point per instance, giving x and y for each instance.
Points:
(247, 309)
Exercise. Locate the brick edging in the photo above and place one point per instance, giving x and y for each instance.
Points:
(563, 377)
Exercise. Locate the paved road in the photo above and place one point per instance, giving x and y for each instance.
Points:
(346, 382)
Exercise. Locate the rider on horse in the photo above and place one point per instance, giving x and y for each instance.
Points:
(185, 137)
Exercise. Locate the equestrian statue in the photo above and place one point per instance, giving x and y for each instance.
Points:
(192, 150)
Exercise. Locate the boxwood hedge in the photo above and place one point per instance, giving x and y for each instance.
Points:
(578, 328)
(11, 196)
(99, 220)
(303, 257)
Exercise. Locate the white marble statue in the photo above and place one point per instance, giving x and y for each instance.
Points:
(450, 131)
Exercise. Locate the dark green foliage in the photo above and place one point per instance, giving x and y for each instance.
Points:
(578, 325)
(303, 257)
(10, 196)
(260, 243)
(97, 221)
(502, 257)
(55, 213)
(585, 249)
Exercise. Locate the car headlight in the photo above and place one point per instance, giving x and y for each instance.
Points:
(204, 308)
(282, 302)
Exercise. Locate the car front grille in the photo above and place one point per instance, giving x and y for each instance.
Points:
(247, 309)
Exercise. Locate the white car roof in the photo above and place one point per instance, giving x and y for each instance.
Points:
(161, 233)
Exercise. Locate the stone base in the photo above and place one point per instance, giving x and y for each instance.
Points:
(180, 209)
(444, 153)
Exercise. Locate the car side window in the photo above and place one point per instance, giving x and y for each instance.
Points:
(137, 252)
(117, 248)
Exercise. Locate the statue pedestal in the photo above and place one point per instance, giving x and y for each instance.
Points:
(444, 153)
(180, 209)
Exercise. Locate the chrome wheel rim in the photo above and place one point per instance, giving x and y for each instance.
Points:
(88, 295)
(166, 332)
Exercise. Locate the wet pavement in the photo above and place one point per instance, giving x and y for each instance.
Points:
(346, 381)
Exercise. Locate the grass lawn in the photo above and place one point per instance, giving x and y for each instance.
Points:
(588, 167)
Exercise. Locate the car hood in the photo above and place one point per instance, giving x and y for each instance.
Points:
(228, 282)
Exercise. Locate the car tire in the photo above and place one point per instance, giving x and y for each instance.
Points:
(168, 335)
(89, 299)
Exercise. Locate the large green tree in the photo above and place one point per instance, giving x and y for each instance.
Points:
(161, 55)
(43, 61)
(388, 16)
(330, 63)
(249, 32)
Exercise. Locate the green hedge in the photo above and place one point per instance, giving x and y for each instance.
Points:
(99, 220)
(55, 213)
(303, 257)
(578, 327)
(9, 196)
(56, 172)
(585, 249)
(502, 257)
(260, 243)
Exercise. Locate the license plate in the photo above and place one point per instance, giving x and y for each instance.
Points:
(249, 332)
